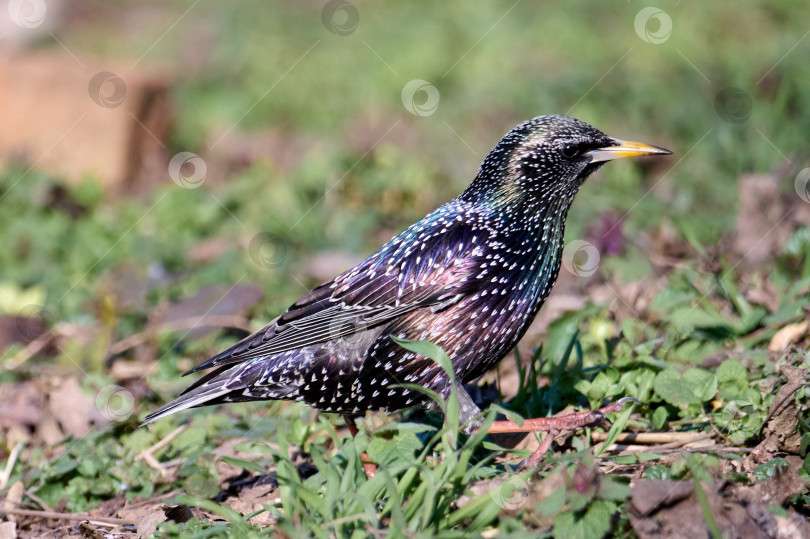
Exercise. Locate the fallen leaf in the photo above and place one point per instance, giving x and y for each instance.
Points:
(209, 250)
(792, 527)
(72, 409)
(178, 513)
(252, 499)
(208, 302)
(147, 523)
(20, 330)
(13, 499)
(8, 530)
(782, 429)
(671, 509)
(775, 490)
(788, 336)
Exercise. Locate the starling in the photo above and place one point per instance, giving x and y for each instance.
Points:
(469, 277)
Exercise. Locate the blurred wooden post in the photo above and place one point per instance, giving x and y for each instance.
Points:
(73, 118)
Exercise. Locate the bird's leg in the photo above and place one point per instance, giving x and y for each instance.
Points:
(368, 466)
(469, 415)
(533, 460)
(555, 425)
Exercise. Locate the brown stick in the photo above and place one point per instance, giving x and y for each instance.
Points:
(650, 437)
(30, 350)
(67, 516)
(148, 454)
(12, 460)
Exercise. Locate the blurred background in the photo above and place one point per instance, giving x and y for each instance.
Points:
(175, 173)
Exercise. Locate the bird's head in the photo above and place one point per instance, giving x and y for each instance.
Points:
(549, 157)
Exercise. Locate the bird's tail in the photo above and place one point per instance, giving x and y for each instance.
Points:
(210, 389)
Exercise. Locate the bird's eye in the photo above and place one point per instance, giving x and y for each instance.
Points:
(570, 150)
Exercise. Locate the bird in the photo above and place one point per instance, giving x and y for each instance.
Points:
(469, 277)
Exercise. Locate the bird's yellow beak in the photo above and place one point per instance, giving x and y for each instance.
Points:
(625, 148)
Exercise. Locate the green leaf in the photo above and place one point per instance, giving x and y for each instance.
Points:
(731, 370)
(599, 387)
(769, 469)
(659, 417)
(560, 334)
(804, 444)
(694, 386)
(189, 438)
(613, 488)
(429, 350)
(659, 471)
(245, 464)
(386, 450)
(594, 523)
(62, 466)
(617, 427)
(553, 503)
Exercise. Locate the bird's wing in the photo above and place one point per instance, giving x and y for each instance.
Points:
(434, 263)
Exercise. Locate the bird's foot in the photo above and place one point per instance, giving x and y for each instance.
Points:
(369, 467)
(556, 425)
(579, 420)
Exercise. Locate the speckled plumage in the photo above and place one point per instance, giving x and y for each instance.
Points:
(470, 277)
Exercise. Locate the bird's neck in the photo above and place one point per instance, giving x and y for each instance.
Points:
(532, 230)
